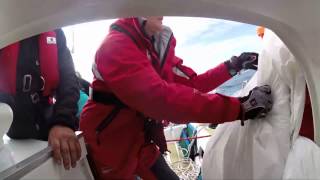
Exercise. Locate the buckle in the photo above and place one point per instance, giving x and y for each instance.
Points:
(43, 83)
(35, 98)
(27, 80)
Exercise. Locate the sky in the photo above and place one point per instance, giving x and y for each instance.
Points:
(202, 43)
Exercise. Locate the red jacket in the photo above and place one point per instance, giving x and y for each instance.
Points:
(128, 65)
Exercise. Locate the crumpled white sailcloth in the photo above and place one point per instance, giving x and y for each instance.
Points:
(259, 149)
(303, 161)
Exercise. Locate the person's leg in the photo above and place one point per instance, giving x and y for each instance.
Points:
(162, 171)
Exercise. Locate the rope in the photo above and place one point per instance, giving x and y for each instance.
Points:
(185, 168)
(189, 138)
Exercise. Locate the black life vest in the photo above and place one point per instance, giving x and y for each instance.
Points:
(29, 73)
(48, 62)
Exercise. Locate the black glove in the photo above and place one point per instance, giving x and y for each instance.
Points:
(257, 104)
(247, 60)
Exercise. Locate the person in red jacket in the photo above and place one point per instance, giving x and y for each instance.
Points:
(38, 81)
(138, 81)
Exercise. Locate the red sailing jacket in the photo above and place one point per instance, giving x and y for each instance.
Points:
(154, 83)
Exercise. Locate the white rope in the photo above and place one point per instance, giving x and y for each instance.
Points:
(185, 168)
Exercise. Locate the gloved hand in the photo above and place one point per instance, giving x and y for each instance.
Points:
(257, 104)
(247, 60)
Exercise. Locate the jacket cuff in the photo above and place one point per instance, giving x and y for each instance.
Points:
(232, 70)
(236, 108)
(235, 111)
(63, 121)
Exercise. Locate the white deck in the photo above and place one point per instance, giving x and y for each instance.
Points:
(31, 159)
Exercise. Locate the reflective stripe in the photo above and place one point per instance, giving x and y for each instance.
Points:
(178, 72)
(96, 72)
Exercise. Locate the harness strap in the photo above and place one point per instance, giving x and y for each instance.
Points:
(130, 33)
(123, 30)
(107, 98)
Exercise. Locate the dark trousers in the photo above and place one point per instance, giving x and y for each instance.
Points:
(162, 171)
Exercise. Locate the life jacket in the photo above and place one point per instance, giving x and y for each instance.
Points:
(29, 74)
(48, 61)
